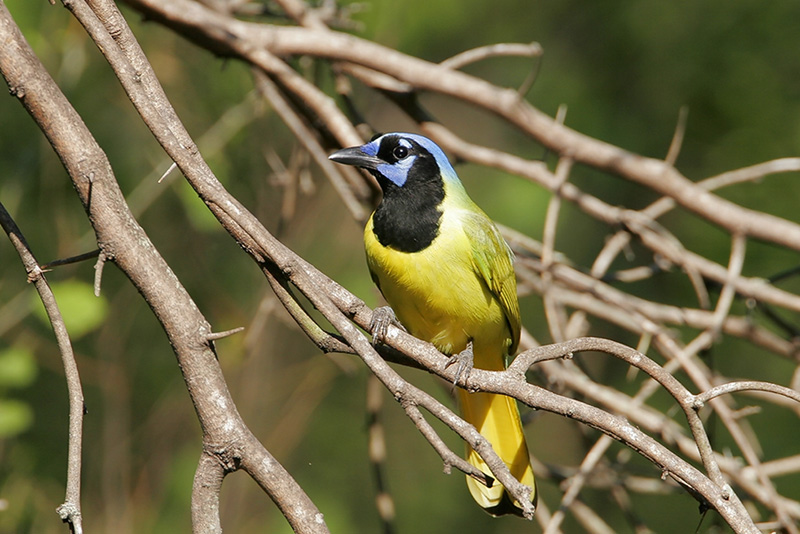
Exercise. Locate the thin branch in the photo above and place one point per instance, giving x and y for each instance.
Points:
(744, 385)
(735, 264)
(384, 503)
(325, 341)
(73, 259)
(213, 336)
(461, 60)
(70, 510)
(304, 134)
(642, 362)
(677, 137)
(700, 377)
(577, 481)
(553, 311)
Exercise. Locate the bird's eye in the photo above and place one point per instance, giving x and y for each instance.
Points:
(400, 152)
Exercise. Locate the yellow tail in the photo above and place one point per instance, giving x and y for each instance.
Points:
(497, 419)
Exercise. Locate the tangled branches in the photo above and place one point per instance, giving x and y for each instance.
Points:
(575, 298)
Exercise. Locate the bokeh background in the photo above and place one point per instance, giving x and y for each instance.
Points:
(624, 69)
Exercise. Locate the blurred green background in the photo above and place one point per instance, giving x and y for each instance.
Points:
(623, 68)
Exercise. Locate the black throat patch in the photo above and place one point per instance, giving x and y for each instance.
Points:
(408, 217)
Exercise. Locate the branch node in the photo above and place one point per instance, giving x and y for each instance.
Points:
(35, 273)
(69, 513)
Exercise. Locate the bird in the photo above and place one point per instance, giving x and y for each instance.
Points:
(447, 274)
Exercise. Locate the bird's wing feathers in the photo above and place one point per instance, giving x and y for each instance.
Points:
(493, 260)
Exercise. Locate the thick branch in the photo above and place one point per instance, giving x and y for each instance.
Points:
(123, 241)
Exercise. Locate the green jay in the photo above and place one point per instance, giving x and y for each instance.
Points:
(448, 275)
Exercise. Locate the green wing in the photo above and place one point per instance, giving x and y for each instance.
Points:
(493, 259)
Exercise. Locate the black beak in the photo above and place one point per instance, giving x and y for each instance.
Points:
(354, 156)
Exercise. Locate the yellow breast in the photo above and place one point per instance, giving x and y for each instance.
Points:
(438, 294)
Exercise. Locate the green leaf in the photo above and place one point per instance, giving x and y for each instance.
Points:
(15, 417)
(81, 310)
(17, 367)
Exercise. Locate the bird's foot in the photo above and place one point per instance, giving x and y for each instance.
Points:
(382, 318)
(464, 362)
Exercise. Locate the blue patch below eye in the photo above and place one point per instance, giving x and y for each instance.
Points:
(397, 173)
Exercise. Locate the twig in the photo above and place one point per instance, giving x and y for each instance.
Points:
(577, 481)
(213, 336)
(700, 377)
(685, 400)
(735, 264)
(325, 341)
(553, 310)
(744, 385)
(474, 55)
(384, 502)
(305, 136)
(677, 137)
(73, 259)
(70, 510)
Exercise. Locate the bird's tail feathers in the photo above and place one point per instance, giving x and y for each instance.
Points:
(496, 417)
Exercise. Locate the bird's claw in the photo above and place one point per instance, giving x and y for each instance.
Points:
(382, 318)
(464, 362)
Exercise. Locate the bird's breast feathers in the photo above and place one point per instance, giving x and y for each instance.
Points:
(438, 293)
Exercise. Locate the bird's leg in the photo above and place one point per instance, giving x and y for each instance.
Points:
(464, 361)
(382, 318)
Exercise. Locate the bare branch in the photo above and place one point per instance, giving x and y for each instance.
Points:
(463, 59)
(744, 385)
(301, 132)
(183, 14)
(73, 259)
(123, 241)
(574, 296)
(70, 510)
(677, 137)
(206, 489)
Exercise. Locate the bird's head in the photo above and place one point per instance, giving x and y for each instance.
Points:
(399, 159)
